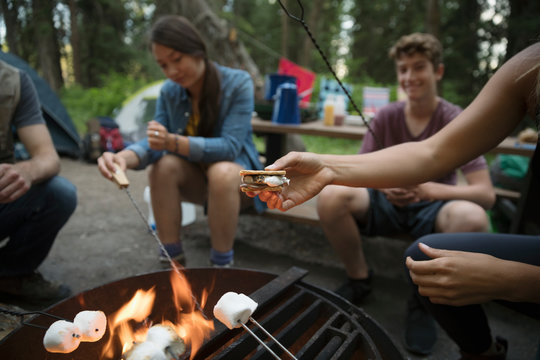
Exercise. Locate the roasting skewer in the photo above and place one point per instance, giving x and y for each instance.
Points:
(267, 334)
(120, 178)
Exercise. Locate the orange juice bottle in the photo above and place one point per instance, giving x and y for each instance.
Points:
(328, 110)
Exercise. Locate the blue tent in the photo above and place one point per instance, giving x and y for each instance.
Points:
(63, 132)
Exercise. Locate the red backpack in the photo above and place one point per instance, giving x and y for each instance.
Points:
(102, 135)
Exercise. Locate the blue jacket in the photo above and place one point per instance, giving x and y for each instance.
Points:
(233, 135)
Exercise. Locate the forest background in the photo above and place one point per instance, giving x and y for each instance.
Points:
(94, 53)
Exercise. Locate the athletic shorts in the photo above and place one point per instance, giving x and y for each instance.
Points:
(386, 219)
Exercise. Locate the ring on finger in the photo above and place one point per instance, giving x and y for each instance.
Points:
(156, 133)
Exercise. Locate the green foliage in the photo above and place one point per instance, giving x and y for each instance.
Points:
(326, 145)
(83, 104)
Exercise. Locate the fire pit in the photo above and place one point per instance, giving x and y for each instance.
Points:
(310, 322)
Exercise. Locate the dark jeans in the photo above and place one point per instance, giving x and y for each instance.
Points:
(32, 223)
(468, 325)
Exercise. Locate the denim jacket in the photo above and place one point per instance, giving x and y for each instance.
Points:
(232, 141)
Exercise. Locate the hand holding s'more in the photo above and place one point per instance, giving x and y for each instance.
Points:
(300, 176)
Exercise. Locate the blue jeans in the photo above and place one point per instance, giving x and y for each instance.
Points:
(32, 223)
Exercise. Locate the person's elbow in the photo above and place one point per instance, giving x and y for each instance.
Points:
(488, 198)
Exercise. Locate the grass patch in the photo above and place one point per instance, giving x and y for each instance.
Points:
(320, 145)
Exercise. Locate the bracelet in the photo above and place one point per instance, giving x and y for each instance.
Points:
(176, 143)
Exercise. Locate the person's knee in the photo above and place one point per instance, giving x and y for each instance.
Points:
(168, 170)
(65, 196)
(330, 201)
(224, 176)
(464, 216)
(336, 201)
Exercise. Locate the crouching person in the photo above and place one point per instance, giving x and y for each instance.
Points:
(35, 203)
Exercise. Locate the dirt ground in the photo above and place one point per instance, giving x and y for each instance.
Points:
(106, 240)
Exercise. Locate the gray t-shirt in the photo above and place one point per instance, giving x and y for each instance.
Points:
(28, 111)
(390, 128)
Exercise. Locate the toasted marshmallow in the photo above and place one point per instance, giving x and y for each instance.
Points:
(234, 309)
(62, 337)
(92, 324)
(166, 339)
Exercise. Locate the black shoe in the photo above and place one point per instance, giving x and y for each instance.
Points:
(356, 290)
(31, 290)
(420, 329)
(501, 348)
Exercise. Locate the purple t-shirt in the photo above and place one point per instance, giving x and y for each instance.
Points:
(391, 129)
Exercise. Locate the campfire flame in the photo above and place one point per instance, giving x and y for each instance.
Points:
(191, 324)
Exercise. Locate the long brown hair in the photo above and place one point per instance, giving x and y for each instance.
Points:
(176, 32)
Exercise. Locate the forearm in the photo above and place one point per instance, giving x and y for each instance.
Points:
(476, 193)
(520, 282)
(130, 157)
(402, 165)
(40, 167)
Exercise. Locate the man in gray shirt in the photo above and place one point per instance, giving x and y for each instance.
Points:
(35, 203)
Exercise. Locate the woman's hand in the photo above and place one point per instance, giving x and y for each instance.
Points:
(157, 135)
(308, 176)
(457, 277)
(107, 163)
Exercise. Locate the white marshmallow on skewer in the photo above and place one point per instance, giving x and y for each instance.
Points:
(145, 351)
(92, 324)
(62, 337)
(167, 340)
(234, 309)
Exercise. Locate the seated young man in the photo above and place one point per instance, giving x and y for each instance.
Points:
(346, 213)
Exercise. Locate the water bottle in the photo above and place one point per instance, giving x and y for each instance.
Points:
(148, 200)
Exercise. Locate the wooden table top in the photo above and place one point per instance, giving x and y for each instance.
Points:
(509, 145)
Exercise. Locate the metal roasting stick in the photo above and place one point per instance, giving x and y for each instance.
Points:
(271, 337)
(121, 180)
(301, 20)
(267, 334)
(21, 315)
(260, 341)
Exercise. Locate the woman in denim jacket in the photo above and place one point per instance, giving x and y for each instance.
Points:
(200, 139)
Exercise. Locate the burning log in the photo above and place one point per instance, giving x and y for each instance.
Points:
(162, 343)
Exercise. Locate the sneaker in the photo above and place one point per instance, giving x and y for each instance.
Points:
(227, 265)
(355, 291)
(33, 290)
(178, 259)
(420, 329)
(499, 353)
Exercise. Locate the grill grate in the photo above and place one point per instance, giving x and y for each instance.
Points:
(312, 323)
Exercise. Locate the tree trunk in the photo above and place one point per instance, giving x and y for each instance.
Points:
(433, 18)
(284, 32)
(222, 45)
(12, 25)
(75, 42)
(305, 56)
(46, 43)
